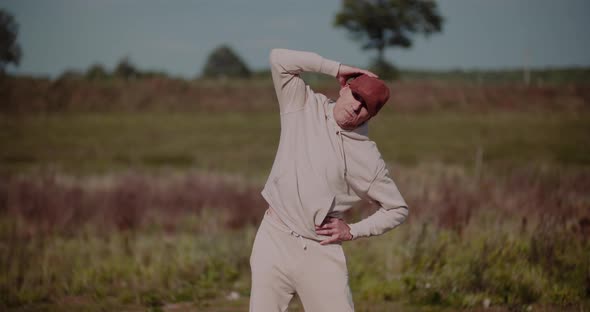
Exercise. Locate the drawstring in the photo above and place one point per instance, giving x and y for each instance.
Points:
(339, 133)
(300, 239)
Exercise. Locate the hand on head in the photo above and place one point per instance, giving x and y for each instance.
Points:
(346, 72)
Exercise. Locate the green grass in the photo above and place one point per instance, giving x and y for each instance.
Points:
(146, 268)
(417, 267)
(427, 265)
(246, 143)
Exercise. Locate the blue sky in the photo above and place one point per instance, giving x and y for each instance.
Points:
(176, 36)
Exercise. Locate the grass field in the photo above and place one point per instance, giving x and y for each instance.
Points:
(160, 242)
(151, 208)
(245, 143)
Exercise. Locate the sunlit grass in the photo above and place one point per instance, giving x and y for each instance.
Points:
(200, 267)
(246, 143)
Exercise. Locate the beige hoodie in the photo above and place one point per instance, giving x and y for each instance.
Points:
(321, 169)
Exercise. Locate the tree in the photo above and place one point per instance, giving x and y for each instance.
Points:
(126, 70)
(382, 23)
(96, 72)
(10, 51)
(224, 62)
(70, 75)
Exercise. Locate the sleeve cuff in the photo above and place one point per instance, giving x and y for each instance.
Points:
(354, 231)
(329, 67)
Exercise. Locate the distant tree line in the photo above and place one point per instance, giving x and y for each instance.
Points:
(222, 63)
(124, 70)
(538, 77)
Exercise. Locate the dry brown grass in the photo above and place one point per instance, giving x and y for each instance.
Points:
(446, 196)
(451, 197)
(519, 238)
(43, 95)
(52, 203)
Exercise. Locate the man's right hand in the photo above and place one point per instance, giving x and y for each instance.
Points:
(346, 72)
(336, 228)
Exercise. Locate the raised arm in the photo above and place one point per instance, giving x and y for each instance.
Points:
(286, 66)
(392, 212)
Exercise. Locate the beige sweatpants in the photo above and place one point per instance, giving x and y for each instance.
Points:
(284, 263)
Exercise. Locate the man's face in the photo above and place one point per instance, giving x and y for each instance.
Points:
(349, 110)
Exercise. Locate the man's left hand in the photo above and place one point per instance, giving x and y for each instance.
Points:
(346, 72)
(336, 228)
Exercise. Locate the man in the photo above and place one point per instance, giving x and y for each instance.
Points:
(324, 165)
